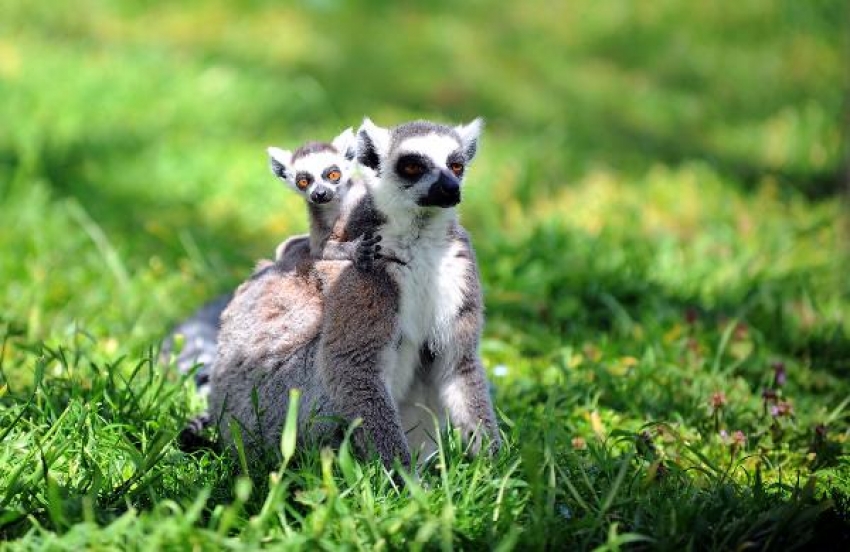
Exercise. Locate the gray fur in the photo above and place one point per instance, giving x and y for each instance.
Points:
(312, 147)
(267, 345)
(418, 128)
(358, 326)
(423, 128)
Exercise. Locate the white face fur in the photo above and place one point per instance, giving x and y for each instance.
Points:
(419, 164)
(317, 171)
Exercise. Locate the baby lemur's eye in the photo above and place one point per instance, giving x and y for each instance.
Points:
(456, 168)
(334, 175)
(302, 183)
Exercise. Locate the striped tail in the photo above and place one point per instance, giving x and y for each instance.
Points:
(200, 337)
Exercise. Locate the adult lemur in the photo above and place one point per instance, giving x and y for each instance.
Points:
(321, 173)
(373, 344)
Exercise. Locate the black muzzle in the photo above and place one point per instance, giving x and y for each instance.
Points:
(444, 192)
(321, 195)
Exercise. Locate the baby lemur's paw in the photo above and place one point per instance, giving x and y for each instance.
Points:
(368, 251)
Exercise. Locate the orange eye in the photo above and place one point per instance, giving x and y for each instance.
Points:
(413, 169)
(456, 168)
(334, 176)
(302, 183)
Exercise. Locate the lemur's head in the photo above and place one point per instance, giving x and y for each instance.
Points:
(317, 170)
(419, 163)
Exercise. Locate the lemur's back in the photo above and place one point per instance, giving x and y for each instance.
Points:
(266, 344)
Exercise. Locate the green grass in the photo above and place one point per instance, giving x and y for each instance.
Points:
(658, 216)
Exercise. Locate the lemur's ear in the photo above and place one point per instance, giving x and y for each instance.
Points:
(279, 161)
(469, 137)
(372, 144)
(346, 144)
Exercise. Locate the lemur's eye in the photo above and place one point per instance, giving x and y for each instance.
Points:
(302, 183)
(413, 169)
(456, 168)
(334, 175)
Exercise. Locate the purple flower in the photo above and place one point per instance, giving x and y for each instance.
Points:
(781, 409)
(738, 438)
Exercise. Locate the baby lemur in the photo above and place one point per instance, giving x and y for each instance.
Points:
(379, 344)
(322, 174)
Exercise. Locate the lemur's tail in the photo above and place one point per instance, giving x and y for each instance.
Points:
(200, 336)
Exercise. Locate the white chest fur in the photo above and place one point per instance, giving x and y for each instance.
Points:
(431, 286)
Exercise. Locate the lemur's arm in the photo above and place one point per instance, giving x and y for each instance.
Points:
(357, 332)
(352, 237)
(363, 251)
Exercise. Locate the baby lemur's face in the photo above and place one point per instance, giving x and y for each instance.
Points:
(317, 170)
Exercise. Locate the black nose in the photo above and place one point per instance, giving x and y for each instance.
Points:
(444, 192)
(321, 196)
(448, 184)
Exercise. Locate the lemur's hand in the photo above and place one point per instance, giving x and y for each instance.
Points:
(368, 251)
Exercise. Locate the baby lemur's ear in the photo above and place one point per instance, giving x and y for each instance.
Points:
(372, 144)
(469, 137)
(279, 161)
(346, 143)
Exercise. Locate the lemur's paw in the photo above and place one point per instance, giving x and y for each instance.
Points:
(368, 251)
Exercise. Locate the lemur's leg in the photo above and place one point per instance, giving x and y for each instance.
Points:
(462, 384)
(466, 396)
(358, 337)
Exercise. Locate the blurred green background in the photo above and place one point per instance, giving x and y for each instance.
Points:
(658, 202)
(133, 133)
